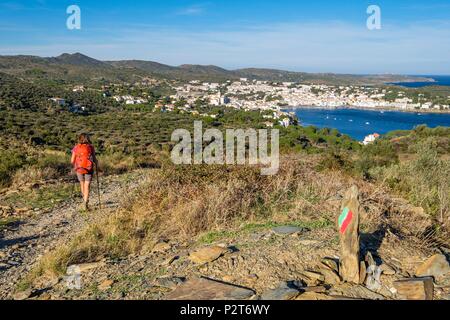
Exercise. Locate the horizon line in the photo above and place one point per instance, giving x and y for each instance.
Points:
(226, 68)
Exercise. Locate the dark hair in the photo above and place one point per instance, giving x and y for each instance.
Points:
(84, 139)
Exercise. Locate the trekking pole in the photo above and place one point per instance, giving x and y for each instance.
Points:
(98, 188)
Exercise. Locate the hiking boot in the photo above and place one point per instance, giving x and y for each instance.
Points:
(86, 206)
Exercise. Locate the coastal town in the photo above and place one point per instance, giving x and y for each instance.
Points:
(265, 95)
(272, 99)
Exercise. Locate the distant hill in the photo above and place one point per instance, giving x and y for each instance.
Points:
(81, 68)
(78, 59)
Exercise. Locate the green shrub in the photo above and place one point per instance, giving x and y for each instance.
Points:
(425, 181)
(10, 162)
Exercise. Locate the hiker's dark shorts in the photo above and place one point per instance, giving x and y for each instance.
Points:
(85, 177)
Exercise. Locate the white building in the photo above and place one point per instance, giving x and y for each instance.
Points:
(79, 89)
(59, 101)
(285, 122)
(371, 139)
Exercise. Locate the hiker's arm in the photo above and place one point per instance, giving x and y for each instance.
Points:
(72, 161)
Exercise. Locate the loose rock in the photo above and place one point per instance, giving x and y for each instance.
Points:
(170, 282)
(161, 247)
(282, 293)
(287, 230)
(106, 285)
(85, 267)
(313, 296)
(436, 266)
(415, 289)
(207, 255)
(330, 276)
(388, 270)
(331, 264)
(206, 289)
(23, 295)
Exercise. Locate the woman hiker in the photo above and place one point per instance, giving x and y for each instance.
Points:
(83, 161)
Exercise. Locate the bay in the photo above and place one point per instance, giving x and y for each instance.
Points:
(360, 123)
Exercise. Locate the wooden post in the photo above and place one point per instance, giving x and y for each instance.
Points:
(348, 226)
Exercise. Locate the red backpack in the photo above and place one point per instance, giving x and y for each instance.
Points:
(84, 156)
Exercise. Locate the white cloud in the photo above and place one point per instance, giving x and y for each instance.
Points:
(312, 47)
(194, 10)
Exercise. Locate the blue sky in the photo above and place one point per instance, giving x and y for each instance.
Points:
(311, 36)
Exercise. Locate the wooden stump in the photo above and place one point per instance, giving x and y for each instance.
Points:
(348, 227)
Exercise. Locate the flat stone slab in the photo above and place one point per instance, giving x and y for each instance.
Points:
(207, 289)
(287, 230)
(314, 296)
(415, 289)
(208, 254)
(282, 293)
(351, 291)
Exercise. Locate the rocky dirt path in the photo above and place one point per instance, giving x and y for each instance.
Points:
(264, 261)
(267, 264)
(24, 242)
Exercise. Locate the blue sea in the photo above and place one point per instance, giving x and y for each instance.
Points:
(360, 123)
(439, 81)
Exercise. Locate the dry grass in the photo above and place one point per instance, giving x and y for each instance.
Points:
(184, 202)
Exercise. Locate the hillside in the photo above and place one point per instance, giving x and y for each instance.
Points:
(162, 229)
(78, 67)
(162, 226)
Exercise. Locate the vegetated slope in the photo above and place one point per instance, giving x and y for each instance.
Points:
(181, 209)
(67, 67)
(78, 67)
(18, 94)
(185, 208)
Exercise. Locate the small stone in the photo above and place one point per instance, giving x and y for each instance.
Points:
(331, 264)
(362, 272)
(436, 266)
(415, 289)
(252, 277)
(81, 268)
(45, 297)
(161, 247)
(314, 275)
(316, 289)
(388, 270)
(370, 260)
(23, 295)
(282, 293)
(170, 282)
(171, 260)
(208, 254)
(46, 281)
(330, 277)
(287, 230)
(106, 285)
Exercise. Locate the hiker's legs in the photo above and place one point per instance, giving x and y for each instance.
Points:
(82, 188)
(87, 188)
(85, 184)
